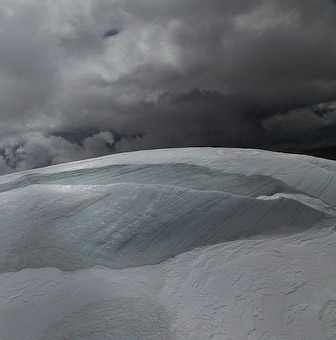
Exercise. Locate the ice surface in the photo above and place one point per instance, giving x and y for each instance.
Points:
(195, 243)
(126, 224)
(265, 172)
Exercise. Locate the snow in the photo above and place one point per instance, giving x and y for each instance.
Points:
(195, 243)
(278, 288)
(92, 304)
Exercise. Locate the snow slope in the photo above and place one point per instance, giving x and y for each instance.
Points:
(196, 243)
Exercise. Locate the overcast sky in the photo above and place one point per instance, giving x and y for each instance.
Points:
(84, 78)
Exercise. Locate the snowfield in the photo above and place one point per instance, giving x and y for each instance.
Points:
(195, 243)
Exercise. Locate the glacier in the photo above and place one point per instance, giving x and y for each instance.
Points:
(193, 243)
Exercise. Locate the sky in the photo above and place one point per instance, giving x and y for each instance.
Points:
(85, 78)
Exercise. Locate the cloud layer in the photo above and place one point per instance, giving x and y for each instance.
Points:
(85, 78)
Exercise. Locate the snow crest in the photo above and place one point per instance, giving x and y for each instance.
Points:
(195, 243)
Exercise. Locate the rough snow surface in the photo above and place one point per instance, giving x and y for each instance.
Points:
(276, 288)
(170, 244)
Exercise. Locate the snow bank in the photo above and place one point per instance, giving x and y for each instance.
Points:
(275, 288)
(170, 244)
(125, 225)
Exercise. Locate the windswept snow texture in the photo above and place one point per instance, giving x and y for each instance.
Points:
(195, 243)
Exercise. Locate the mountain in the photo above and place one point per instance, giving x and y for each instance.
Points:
(195, 243)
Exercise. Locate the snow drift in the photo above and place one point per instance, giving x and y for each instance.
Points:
(195, 243)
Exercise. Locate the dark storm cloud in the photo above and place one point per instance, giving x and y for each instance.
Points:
(84, 78)
(111, 33)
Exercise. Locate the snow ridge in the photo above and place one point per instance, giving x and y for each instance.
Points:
(194, 243)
